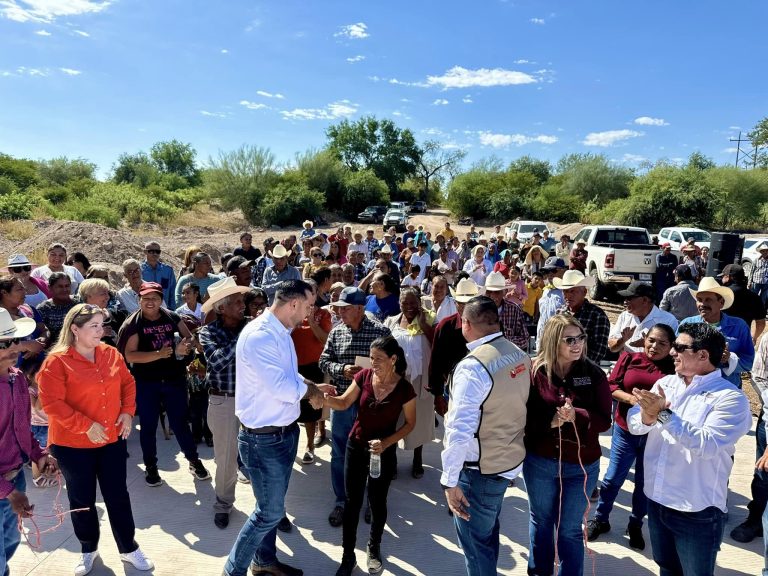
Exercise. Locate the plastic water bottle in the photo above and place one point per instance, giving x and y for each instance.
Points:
(375, 467)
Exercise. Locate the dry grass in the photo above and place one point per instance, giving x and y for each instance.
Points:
(17, 230)
(203, 214)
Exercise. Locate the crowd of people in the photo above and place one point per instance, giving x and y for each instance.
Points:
(378, 337)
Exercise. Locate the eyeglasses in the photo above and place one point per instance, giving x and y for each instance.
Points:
(19, 269)
(8, 343)
(153, 251)
(680, 348)
(575, 340)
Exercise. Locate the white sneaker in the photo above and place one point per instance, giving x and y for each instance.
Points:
(86, 563)
(137, 560)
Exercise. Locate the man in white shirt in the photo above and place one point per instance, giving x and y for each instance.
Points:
(640, 315)
(481, 455)
(267, 395)
(693, 420)
(423, 259)
(357, 245)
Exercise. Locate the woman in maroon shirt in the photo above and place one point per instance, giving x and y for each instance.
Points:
(633, 370)
(381, 394)
(568, 406)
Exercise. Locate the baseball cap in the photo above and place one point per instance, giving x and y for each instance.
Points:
(351, 296)
(735, 270)
(637, 288)
(149, 288)
(553, 263)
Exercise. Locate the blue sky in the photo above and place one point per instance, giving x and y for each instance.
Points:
(634, 81)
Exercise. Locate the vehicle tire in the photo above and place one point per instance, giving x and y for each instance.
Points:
(597, 290)
(747, 265)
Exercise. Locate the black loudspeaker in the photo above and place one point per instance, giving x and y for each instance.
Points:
(724, 249)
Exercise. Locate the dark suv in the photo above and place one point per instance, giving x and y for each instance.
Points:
(419, 206)
(372, 214)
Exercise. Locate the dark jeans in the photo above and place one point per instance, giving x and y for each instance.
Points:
(82, 469)
(759, 485)
(626, 449)
(356, 466)
(173, 396)
(685, 543)
(268, 460)
(198, 415)
(9, 531)
(341, 424)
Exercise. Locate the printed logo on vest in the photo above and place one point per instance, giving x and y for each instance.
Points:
(517, 370)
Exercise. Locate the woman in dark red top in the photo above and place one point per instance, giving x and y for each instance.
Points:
(381, 394)
(633, 370)
(569, 395)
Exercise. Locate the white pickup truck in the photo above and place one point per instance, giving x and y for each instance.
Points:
(616, 256)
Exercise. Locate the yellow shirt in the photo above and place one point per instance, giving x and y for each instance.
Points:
(534, 294)
(448, 234)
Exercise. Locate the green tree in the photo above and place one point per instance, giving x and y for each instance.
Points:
(593, 177)
(136, 169)
(540, 169)
(469, 194)
(698, 161)
(323, 172)
(363, 188)
(741, 193)
(290, 202)
(378, 145)
(435, 161)
(759, 138)
(61, 171)
(175, 157)
(21, 171)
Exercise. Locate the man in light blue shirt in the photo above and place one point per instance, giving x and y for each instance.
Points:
(152, 270)
(278, 273)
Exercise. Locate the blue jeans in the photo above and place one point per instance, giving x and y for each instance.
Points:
(759, 487)
(10, 531)
(685, 543)
(479, 536)
(626, 448)
(542, 480)
(762, 291)
(268, 460)
(341, 424)
(41, 435)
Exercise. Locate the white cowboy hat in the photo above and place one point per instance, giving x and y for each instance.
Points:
(279, 251)
(573, 279)
(386, 249)
(496, 281)
(304, 224)
(537, 248)
(709, 284)
(465, 290)
(478, 247)
(220, 290)
(10, 328)
(19, 260)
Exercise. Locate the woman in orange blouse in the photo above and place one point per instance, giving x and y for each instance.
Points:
(90, 398)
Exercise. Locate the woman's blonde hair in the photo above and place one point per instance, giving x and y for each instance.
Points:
(77, 317)
(549, 347)
(189, 253)
(91, 285)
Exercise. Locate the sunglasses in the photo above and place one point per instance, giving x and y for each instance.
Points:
(8, 343)
(575, 340)
(89, 310)
(153, 251)
(680, 348)
(19, 269)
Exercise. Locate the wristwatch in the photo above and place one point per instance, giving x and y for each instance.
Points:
(663, 416)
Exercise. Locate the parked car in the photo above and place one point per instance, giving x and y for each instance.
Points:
(402, 206)
(525, 229)
(372, 214)
(617, 255)
(751, 253)
(419, 206)
(677, 236)
(396, 218)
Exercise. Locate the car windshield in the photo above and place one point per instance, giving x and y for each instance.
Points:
(621, 236)
(394, 214)
(699, 236)
(526, 228)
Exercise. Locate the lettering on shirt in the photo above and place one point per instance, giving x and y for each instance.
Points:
(158, 336)
(582, 381)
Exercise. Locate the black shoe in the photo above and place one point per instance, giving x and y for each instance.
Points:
(374, 559)
(197, 470)
(595, 528)
(336, 516)
(276, 569)
(221, 519)
(348, 564)
(747, 531)
(152, 477)
(636, 539)
(417, 471)
(367, 515)
(285, 525)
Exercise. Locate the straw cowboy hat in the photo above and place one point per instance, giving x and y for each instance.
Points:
(496, 281)
(709, 284)
(537, 248)
(278, 251)
(220, 290)
(10, 328)
(465, 290)
(573, 279)
(479, 247)
(311, 224)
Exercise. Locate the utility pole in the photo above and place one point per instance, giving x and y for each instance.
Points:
(746, 155)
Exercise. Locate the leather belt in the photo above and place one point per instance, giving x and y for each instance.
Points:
(217, 392)
(268, 429)
(11, 476)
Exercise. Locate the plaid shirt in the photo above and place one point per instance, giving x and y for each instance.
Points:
(759, 274)
(360, 272)
(343, 345)
(513, 324)
(596, 326)
(53, 316)
(219, 350)
(257, 271)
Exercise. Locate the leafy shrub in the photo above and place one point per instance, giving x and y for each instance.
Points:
(361, 189)
(553, 203)
(469, 194)
(16, 206)
(55, 193)
(7, 185)
(87, 212)
(290, 203)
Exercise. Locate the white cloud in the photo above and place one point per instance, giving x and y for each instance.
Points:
(506, 140)
(23, 70)
(48, 10)
(82, 33)
(42, 33)
(734, 127)
(397, 113)
(467, 99)
(459, 77)
(648, 121)
(356, 31)
(633, 158)
(70, 71)
(270, 94)
(253, 24)
(539, 21)
(522, 61)
(609, 137)
(440, 102)
(433, 132)
(333, 111)
(732, 150)
(252, 105)
(358, 58)
(224, 51)
(213, 114)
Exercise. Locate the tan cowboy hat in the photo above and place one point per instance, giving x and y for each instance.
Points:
(220, 290)
(10, 328)
(496, 281)
(279, 251)
(479, 247)
(537, 248)
(573, 279)
(304, 224)
(709, 284)
(465, 290)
